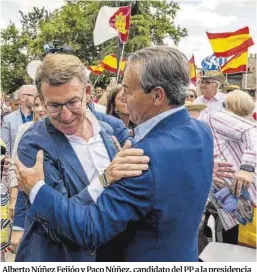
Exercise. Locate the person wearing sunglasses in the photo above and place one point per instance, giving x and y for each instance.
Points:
(191, 93)
(12, 121)
(210, 88)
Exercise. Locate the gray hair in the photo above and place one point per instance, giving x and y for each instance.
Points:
(15, 95)
(166, 67)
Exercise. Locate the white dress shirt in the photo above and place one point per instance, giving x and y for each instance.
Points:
(214, 104)
(93, 157)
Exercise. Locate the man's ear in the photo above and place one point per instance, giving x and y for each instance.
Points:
(23, 98)
(158, 95)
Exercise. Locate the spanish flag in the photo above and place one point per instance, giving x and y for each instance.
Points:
(97, 69)
(230, 43)
(192, 68)
(236, 64)
(109, 63)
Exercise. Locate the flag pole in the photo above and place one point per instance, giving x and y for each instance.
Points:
(120, 60)
(245, 85)
(96, 81)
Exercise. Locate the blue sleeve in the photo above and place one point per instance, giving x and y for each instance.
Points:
(91, 226)
(20, 210)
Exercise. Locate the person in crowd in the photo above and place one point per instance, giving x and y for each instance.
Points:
(98, 94)
(234, 142)
(104, 97)
(4, 108)
(12, 121)
(209, 86)
(78, 148)
(5, 218)
(15, 100)
(90, 102)
(191, 93)
(39, 113)
(117, 107)
(159, 210)
(240, 103)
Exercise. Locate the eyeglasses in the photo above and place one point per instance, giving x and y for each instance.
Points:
(190, 96)
(72, 105)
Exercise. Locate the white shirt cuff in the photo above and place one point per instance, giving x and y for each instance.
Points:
(34, 191)
(95, 188)
(15, 228)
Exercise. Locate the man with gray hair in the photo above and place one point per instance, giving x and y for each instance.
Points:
(12, 122)
(160, 210)
(211, 96)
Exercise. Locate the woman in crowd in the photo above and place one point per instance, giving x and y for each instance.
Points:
(191, 94)
(240, 103)
(39, 113)
(117, 107)
(5, 218)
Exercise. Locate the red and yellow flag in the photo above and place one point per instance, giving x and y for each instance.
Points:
(97, 69)
(120, 21)
(192, 68)
(230, 43)
(236, 64)
(109, 63)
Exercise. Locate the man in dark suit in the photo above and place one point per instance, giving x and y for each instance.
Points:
(160, 210)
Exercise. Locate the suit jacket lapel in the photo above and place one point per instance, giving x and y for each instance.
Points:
(19, 116)
(66, 151)
(109, 144)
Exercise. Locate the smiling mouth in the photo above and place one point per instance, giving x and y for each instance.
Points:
(67, 123)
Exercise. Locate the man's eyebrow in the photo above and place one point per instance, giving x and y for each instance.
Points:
(124, 85)
(75, 97)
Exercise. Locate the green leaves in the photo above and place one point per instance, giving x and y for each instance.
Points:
(73, 24)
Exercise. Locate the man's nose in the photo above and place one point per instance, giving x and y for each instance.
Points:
(65, 113)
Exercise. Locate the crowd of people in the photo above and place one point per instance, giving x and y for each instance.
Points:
(130, 173)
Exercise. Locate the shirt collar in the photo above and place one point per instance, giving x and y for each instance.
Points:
(143, 129)
(217, 97)
(95, 125)
(27, 118)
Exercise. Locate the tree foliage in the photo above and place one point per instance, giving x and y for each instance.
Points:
(73, 24)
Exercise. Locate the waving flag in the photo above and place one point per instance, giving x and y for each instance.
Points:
(236, 64)
(192, 68)
(120, 21)
(109, 63)
(112, 22)
(230, 43)
(97, 69)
